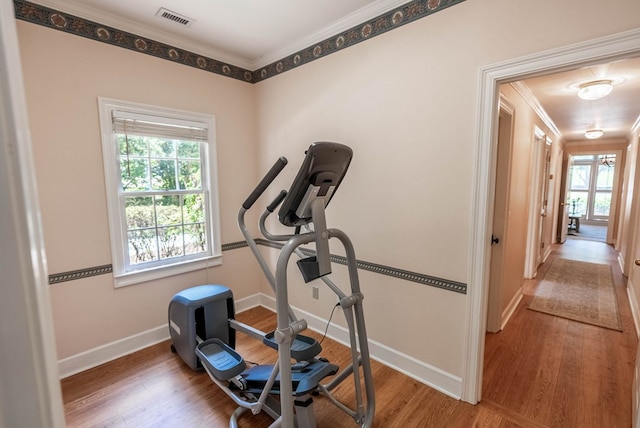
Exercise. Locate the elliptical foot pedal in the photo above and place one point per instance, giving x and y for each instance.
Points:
(302, 348)
(304, 380)
(220, 360)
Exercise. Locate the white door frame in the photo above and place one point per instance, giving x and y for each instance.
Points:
(608, 48)
(29, 386)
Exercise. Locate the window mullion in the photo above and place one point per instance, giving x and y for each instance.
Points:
(592, 188)
(163, 192)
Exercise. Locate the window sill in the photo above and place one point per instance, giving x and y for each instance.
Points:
(147, 275)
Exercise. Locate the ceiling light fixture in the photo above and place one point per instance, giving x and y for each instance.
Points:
(595, 90)
(593, 134)
(609, 160)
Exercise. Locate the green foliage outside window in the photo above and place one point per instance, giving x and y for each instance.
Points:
(164, 200)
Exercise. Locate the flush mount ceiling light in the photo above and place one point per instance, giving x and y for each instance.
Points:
(595, 90)
(593, 134)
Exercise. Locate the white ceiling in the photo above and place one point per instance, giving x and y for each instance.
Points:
(616, 114)
(254, 33)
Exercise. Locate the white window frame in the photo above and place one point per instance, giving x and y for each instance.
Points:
(117, 221)
(593, 177)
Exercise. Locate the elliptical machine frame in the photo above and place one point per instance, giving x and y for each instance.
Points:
(303, 206)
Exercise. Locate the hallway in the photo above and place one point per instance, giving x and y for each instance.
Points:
(546, 371)
(589, 231)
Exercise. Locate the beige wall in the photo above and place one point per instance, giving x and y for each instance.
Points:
(405, 101)
(64, 75)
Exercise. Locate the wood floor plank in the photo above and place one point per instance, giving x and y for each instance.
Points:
(593, 366)
(566, 394)
(541, 403)
(540, 371)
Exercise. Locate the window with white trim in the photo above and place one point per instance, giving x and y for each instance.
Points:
(590, 190)
(161, 183)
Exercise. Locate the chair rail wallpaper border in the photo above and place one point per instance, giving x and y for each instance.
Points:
(445, 284)
(79, 274)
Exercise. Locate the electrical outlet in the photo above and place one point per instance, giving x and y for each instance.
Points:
(314, 292)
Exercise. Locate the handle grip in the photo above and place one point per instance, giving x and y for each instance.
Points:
(264, 183)
(273, 205)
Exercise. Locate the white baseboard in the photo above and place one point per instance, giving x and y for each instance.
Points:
(419, 370)
(103, 354)
(432, 376)
(621, 263)
(635, 311)
(247, 303)
(111, 351)
(511, 308)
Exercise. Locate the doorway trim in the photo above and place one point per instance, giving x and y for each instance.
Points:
(609, 48)
(29, 384)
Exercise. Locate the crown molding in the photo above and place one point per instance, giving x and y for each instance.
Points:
(636, 126)
(524, 91)
(352, 20)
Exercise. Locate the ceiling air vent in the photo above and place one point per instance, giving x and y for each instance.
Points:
(175, 17)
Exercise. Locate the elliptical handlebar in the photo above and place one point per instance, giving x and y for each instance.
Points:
(265, 182)
(277, 201)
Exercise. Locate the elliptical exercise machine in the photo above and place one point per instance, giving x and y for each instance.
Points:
(203, 327)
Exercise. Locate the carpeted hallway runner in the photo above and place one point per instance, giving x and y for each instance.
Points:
(578, 291)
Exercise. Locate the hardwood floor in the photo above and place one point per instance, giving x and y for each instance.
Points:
(540, 371)
(554, 372)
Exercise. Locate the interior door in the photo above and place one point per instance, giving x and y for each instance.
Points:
(535, 222)
(500, 218)
(544, 226)
(563, 212)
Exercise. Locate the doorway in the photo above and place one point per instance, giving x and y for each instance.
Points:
(597, 51)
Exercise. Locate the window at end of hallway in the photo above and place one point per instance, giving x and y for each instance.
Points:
(162, 193)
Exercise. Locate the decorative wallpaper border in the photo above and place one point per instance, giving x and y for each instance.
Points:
(79, 274)
(446, 284)
(68, 23)
(393, 19)
(420, 278)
